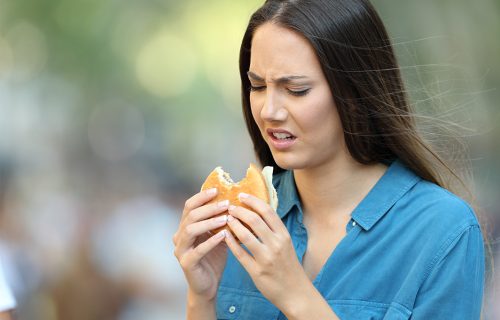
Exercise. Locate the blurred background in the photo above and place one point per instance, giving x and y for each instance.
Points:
(113, 112)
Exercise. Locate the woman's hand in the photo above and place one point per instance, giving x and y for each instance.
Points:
(273, 261)
(202, 256)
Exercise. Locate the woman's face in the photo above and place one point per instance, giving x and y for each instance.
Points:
(291, 101)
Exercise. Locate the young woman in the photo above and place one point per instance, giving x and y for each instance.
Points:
(365, 227)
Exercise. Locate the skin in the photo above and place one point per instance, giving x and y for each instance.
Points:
(329, 181)
(5, 315)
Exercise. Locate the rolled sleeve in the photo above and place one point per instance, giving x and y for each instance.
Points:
(454, 286)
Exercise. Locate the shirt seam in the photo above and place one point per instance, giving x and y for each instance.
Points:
(353, 302)
(398, 305)
(447, 244)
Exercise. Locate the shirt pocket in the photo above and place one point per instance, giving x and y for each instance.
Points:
(368, 310)
(243, 305)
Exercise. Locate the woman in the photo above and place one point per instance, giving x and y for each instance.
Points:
(365, 227)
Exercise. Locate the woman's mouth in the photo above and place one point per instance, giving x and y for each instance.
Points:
(280, 139)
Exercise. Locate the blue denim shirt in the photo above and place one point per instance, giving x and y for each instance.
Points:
(413, 250)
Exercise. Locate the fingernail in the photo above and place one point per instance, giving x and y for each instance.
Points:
(243, 195)
(231, 207)
(223, 203)
(212, 191)
(221, 234)
(230, 218)
(222, 219)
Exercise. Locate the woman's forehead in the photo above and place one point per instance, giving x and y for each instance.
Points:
(280, 51)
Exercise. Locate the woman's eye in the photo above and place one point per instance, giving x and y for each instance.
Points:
(256, 88)
(299, 93)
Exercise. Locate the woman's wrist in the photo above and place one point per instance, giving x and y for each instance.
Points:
(199, 307)
(307, 303)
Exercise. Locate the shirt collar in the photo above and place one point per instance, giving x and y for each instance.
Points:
(287, 194)
(395, 182)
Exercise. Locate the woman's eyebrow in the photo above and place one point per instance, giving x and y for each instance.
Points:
(285, 79)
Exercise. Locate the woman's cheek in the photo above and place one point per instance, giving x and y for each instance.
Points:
(255, 109)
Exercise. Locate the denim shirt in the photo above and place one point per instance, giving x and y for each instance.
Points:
(413, 250)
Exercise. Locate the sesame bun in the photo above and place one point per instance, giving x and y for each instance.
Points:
(256, 182)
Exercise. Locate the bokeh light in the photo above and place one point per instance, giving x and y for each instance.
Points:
(218, 44)
(166, 65)
(29, 50)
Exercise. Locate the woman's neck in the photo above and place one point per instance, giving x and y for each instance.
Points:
(335, 189)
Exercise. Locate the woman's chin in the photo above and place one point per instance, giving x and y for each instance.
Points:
(287, 163)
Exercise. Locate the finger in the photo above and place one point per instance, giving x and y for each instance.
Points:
(264, 210)
(246, 260)
(198, 200)
(193, 256)
(199, 214)
(254, 221)
(189, 230)
(245, 236)
(194, 230)
(206, 211)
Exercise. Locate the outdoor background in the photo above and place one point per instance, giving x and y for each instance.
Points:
(113, 112)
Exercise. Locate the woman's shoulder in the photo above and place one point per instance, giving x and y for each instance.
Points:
(433, 204)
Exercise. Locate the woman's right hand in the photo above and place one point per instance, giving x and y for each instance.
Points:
(202, 256)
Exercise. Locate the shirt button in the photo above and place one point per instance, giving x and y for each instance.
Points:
(232, 309)
(354, 223)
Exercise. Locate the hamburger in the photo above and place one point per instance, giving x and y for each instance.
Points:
(256, 182)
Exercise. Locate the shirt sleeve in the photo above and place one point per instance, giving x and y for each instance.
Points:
(454, 287)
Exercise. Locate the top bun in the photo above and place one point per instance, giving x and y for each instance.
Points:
(257, 183)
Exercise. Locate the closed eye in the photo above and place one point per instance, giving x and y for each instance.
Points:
(257, 88)
(297, 93)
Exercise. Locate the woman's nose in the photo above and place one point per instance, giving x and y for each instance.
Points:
(273, 108)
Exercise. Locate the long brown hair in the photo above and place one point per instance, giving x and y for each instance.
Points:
(358, 60)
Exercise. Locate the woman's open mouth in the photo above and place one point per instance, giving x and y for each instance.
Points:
(281, 139)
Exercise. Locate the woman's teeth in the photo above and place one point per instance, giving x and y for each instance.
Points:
(282, 136)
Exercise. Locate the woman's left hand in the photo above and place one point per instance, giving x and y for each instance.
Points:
(273, 262)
